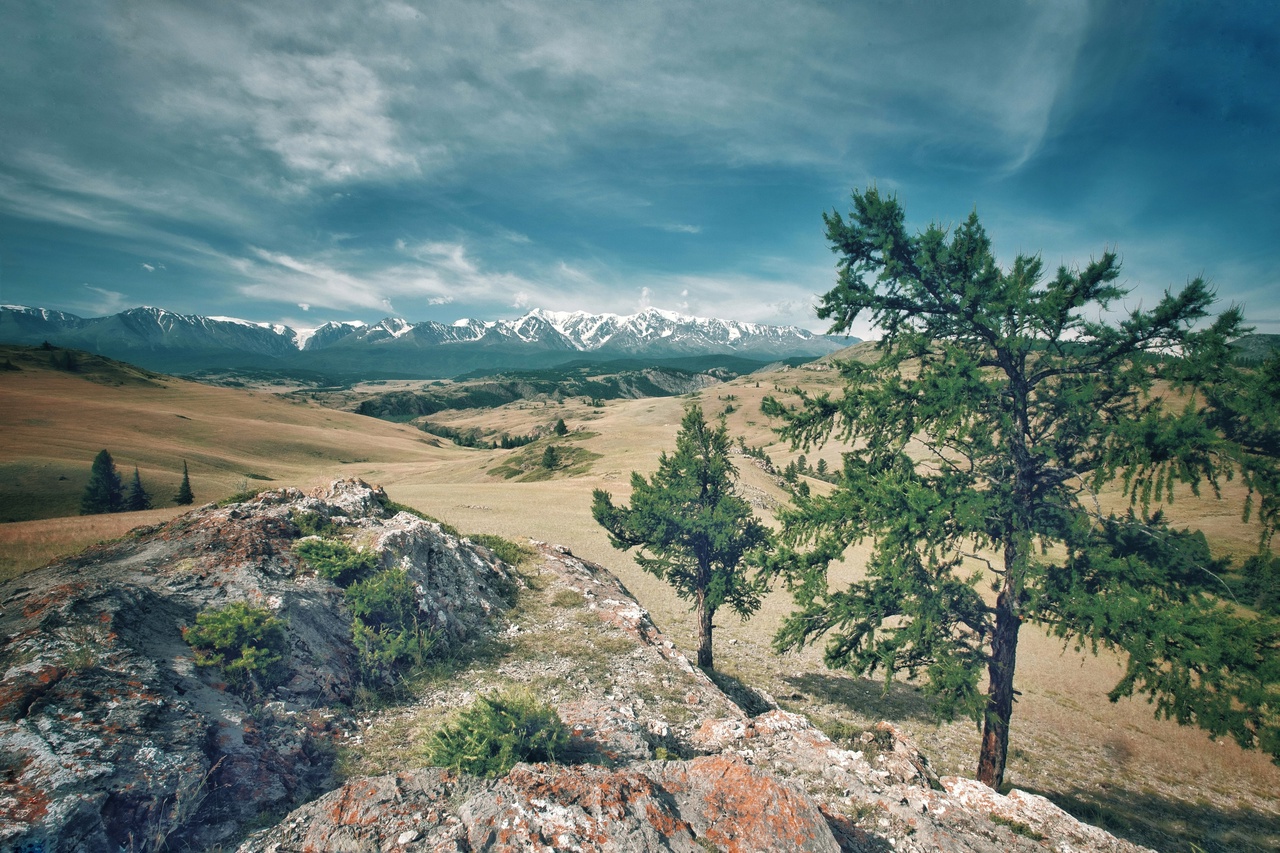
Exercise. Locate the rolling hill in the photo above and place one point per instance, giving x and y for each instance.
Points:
(1111, 763)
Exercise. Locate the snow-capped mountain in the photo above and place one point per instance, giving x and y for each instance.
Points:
(580, 331)
(639, 332)
(163, 340)
(135, 334)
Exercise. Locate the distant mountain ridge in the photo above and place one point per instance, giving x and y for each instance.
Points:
(178, 343)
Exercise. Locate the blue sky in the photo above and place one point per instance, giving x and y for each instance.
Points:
(300, 162)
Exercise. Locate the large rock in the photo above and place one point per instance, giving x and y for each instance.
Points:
(717, 802)
(111, 737)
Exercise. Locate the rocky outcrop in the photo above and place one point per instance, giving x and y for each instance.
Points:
(111, 737)
(731, 781)
(716, 802)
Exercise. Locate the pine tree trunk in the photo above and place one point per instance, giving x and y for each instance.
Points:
(999, 710)
(704, 632)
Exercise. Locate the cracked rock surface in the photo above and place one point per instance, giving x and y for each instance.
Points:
(111, 737)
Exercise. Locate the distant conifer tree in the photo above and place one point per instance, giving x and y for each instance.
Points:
(184, 497)
(561, 428)
(104, 492)
(550, 457)
(137, 499)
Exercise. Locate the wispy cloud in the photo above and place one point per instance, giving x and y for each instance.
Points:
(432, 273)
(101, 301)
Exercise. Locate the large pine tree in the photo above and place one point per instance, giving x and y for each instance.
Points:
(696, 529)
(996, 406)
(104, 493)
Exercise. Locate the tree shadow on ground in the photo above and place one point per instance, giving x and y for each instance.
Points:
(865, 696)
(746, 697)
(1168, 824)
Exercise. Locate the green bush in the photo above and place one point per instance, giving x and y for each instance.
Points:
(385, 599)
(247, 643)
(386, 625)
(336, 561)
(495, 733)
(314, 524)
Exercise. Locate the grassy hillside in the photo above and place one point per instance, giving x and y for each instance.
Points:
(1153, 781)
(54, 420)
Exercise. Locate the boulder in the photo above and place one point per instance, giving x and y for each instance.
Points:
(711, 803)
(112, 738)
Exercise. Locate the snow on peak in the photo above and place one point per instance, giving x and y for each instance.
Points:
(301, 336)
(585, 331)
(42, 313)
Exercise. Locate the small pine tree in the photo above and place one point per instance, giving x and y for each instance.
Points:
(550, 457)
(690, 528)
(137, 499)
(184, 497)
(104, 492)
(561, 428)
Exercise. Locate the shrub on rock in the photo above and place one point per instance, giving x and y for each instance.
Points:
(336, 561)
(496, 733)
(247, 643)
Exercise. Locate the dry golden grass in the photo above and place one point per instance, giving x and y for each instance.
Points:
(54, 423)
(1112, 763)
(28, 544)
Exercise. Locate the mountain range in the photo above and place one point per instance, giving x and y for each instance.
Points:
(180, 343)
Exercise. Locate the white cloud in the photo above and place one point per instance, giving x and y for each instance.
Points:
(148, 267)
(774, 300)
(103, 301)
(324, 116)
(430, 273)
(259, 123)
(352, 95)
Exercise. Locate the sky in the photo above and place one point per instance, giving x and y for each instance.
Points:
(301, 162)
